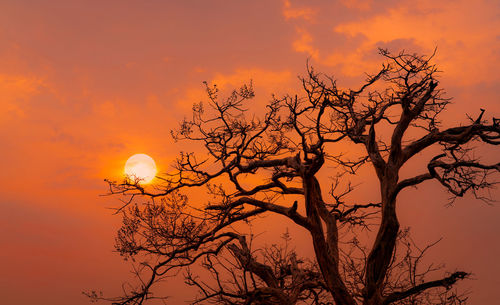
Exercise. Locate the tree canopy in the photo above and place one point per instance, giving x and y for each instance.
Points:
(250, 165)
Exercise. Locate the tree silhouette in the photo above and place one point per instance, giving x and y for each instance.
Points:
(254, 166)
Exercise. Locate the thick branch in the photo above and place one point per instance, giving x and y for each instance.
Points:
(411, 182)
(455, 135)
(267, 206)
(446, 282)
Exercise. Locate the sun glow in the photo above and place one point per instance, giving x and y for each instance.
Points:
(140, 167)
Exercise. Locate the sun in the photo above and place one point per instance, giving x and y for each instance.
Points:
(140, 166)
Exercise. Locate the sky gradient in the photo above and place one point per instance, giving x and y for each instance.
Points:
(86, 84)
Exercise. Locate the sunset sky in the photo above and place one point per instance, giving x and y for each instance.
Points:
(85, 84)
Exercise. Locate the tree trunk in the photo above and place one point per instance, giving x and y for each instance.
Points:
(385, 242)
(326, 249)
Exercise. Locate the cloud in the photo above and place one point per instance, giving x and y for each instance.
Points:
(260, 77)
(363, 5)
(345, 35)
(290, 12)
(463, 32)
(16, 91)
(304, 44)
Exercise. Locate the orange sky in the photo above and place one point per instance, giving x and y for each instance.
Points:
(85, 84)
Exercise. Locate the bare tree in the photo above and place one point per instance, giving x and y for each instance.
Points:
(252, 167)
